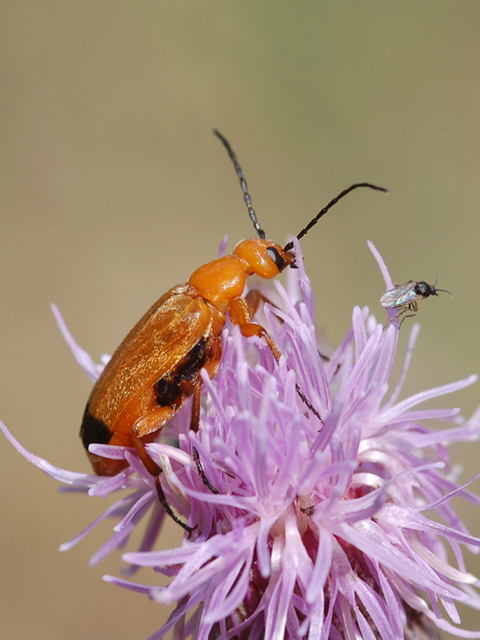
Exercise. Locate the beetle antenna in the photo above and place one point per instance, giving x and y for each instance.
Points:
(312, 223)
(243, 184)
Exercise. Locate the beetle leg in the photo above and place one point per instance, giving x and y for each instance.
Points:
(147, 425)
(307, 402)
(150, 424)
(194, 425)
(251, 329)
(168, 509)
(253, 299)
(239, 315)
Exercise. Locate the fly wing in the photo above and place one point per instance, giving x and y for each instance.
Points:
(399, 296)
(159, 341)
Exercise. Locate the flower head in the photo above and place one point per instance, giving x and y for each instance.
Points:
(320, 526)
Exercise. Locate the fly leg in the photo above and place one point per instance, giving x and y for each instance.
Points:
(150, 425)
(411, 306)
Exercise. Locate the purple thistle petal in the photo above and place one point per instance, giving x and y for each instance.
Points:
(304, 285)
(80, 480)
(406, 364)
(402, 407)
(383, 267)
(92, 370)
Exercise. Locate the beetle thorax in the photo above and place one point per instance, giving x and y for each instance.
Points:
(221, 280)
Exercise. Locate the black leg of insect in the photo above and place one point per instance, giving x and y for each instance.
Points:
(253, 298)
(194, 426)
(158, 364)
(405, 298)
(403, 313)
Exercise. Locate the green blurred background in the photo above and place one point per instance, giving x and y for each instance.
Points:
(113, 189)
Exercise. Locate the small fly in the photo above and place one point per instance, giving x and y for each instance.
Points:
(405, 297)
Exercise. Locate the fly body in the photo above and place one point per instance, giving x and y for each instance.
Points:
(405, 297)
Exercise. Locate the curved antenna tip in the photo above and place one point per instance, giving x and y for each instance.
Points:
(332, 202)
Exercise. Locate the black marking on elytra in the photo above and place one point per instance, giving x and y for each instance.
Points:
(93, 431)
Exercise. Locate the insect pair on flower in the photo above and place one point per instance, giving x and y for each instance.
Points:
(158, 365)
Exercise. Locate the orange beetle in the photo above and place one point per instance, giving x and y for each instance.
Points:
(158, 364)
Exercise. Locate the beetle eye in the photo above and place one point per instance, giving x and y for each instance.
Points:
(277, 258)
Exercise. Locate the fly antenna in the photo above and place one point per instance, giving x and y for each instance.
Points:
(243, 184)
(443, 290)
(312, 223)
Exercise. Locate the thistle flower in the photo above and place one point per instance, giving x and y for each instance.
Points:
(319, 528)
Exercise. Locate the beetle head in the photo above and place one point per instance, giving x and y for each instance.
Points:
(263, 257)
